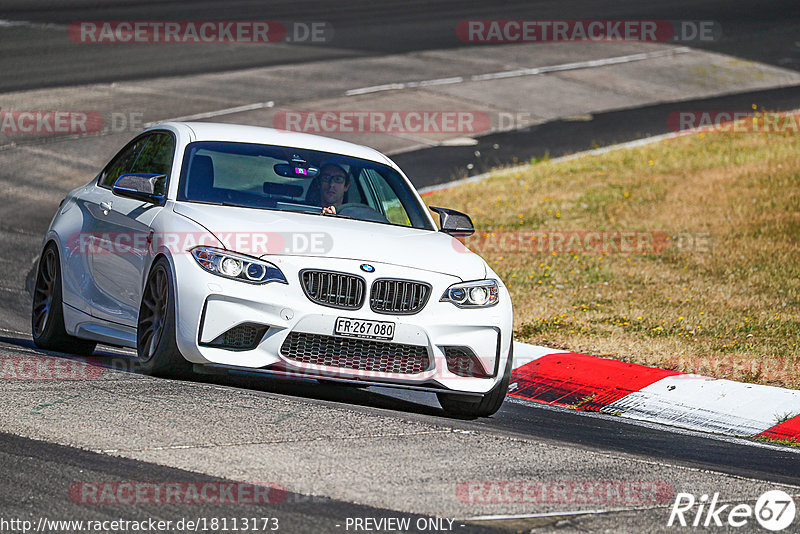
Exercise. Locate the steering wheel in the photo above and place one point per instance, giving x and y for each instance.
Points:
(356, 210)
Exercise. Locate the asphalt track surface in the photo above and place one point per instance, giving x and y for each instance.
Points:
(36, 473)
(761, 31)
(525, 419)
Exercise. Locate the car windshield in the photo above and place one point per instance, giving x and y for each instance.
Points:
(292, 179)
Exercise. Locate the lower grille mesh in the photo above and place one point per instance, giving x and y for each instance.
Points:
(359, 354)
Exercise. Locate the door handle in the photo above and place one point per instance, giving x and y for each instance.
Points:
(106, 207)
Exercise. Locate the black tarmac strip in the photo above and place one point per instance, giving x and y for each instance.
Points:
(437, 165)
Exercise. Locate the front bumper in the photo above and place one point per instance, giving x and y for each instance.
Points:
(209, 305)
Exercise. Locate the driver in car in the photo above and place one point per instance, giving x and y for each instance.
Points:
(334, 183)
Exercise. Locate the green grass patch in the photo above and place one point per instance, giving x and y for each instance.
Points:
(718, 290)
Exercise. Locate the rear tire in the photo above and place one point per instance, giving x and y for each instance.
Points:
(464, 406)
(47, 311)
(156, 347)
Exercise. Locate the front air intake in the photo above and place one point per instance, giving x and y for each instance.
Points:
(462, 361)
(245, 336)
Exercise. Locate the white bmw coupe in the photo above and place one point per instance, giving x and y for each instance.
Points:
(223, 247)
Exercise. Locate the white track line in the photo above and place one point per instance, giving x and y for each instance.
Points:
(424, 83)
(7, 331)
(406, 85)
(217, 113)
(581, 64)
(4, 23)
(520, 72)
(533, 516)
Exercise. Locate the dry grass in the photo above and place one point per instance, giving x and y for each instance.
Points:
(726, 303)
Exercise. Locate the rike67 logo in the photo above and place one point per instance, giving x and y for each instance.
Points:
(774, 510)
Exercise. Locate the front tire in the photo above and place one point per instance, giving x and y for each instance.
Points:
(47, 311)
(156, 347)
(464, 406)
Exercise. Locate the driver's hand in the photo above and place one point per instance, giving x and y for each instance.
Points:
(329, 209)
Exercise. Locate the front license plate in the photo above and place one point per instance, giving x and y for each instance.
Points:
(363, 328)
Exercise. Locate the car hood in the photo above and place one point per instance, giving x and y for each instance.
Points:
(259, 232)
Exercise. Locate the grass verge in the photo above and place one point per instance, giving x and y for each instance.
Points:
(682, 254)
(789, 442)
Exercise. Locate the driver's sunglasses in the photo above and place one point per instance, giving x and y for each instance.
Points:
(332, 179)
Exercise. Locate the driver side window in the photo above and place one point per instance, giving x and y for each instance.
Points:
(121, 163)
(151, 154)
(156, 158)
(390, 204)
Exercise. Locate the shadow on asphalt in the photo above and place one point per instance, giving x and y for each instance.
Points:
(602, 433)
(306, 388)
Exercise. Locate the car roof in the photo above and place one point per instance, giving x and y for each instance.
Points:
(215, 131)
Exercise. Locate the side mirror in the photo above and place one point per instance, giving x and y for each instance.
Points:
(141, 186)
(454, 222)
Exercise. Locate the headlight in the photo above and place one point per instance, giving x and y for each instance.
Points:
(237, 266)
(477, 294)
